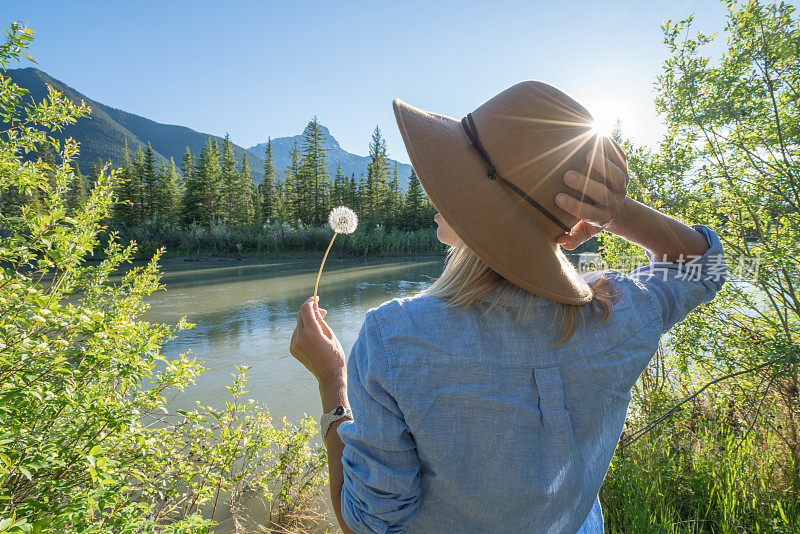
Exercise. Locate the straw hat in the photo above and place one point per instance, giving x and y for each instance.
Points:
(494, 175)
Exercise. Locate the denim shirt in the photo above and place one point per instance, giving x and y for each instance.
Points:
(464, 423)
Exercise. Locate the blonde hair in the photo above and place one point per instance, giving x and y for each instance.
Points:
(466, 280)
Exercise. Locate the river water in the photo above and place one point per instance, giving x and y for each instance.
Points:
(244, 313)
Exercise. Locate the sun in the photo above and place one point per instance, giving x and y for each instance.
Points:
(607, 115)
(604, 127)
(605, 124)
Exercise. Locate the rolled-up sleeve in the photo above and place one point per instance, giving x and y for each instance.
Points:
(381, 488)
(676, 288)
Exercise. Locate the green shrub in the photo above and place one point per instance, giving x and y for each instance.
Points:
(87, 440)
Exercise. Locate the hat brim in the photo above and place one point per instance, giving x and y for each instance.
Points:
(492, 220)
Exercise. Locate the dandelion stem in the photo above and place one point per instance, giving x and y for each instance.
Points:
(323, 264)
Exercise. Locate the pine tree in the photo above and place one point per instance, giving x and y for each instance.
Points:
(137, 188)
(339, 191)
(258, 217)
(203, 188)
(125, 206)
(97, 168)
(292, 190)
(149, 184)
(187, 165)
(280, 203)
(377, 169)
(393, 203)
(230, 181)
(48, 157)
(191, 187)
(12, 201)
(243, 209)
(267, 192)
(412, 213)
(352, 192)
(428, 211)
(169, 193)
(314, 175)
(616, 132)
(212, 182)
(361, 196)
(76, 194)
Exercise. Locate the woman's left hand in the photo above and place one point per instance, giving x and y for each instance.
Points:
(315, 345)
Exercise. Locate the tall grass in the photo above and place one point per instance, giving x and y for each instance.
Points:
(279, 238)
(701, 472)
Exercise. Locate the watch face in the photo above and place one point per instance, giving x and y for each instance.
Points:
(339, 410)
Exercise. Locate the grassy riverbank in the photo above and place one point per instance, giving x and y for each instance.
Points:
(279, 240)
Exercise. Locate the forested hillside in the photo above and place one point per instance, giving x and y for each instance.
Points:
(104, 134)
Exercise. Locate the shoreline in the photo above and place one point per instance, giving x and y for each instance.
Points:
(299, 255)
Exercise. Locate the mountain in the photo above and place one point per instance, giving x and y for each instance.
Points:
(351, 163)
(104, 132)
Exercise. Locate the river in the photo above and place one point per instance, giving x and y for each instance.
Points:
(244, 313)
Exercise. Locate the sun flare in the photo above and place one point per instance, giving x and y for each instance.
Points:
(608, 115)
(604, 126)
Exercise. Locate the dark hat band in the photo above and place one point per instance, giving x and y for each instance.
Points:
(472, 133)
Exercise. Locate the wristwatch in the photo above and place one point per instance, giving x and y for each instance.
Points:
(334, 415)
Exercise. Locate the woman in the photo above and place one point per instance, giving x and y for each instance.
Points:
(493, 401)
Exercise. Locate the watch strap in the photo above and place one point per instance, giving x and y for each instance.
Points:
(334, 415)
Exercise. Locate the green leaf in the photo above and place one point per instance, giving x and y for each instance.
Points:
(40, 524)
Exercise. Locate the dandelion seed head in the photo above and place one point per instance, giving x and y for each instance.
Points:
(343, 220)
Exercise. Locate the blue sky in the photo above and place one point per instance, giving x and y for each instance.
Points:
(258, 69)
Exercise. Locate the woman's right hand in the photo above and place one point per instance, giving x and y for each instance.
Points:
(666, 238)
(609, 198)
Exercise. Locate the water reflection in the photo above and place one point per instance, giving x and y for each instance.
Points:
(244, 313)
